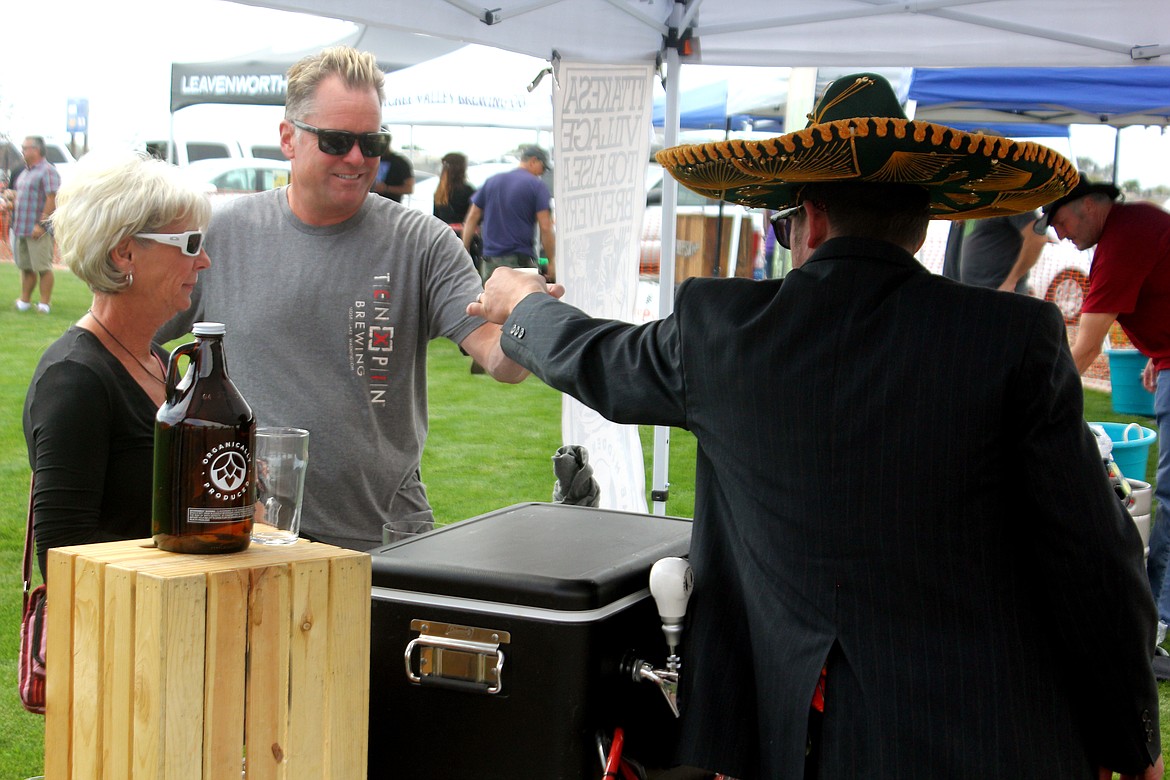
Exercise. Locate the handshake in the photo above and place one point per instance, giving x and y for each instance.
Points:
(506, 288)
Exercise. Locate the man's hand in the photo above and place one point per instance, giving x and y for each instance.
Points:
(1152, 773)
(1150, 377)
(506, 288)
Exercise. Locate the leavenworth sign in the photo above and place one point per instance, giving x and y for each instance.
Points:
(242, 83)
(249, 83)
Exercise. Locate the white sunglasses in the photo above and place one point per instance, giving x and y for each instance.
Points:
(189, 243)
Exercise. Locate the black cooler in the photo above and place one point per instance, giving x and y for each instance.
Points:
(498, 645)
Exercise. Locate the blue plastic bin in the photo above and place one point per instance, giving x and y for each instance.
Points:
(1125, 375)
(1131, 448)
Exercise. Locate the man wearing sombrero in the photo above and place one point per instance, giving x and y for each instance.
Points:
(894, 483)
(1129, 282)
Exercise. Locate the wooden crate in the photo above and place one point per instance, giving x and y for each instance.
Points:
(163, 665)
(695, 247)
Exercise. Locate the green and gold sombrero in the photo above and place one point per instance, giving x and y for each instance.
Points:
(858, 132)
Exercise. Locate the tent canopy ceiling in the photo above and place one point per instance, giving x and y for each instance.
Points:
(761, 32)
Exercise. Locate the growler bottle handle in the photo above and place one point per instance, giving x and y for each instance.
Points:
(187, 349)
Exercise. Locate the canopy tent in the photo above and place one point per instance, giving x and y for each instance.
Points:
(1031, 101)
(752, 102)
(492, 89)
(891, 33)
(704, 108)
(258, 79)
(833, 33)
(1012, 129)
(755, 104)
(1049, 96)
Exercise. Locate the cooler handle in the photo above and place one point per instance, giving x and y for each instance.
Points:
(467, 668)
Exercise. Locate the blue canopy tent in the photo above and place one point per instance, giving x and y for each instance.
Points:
(706, 108)
(1042, 97)
(1052, 96)
(1011, 129)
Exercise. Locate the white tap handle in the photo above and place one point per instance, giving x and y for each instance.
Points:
(671, 583)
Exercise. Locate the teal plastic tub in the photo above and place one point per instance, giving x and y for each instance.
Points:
(1131, 447)
(1125, 375)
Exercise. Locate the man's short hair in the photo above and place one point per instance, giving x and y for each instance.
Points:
(39, 142)
(898, 213)
(357, 70)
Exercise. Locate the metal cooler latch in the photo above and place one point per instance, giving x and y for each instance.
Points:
(453, 656)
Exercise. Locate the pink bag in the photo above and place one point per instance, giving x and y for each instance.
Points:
(32, 631)
(32, 651)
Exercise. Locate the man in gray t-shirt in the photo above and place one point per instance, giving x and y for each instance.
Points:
(330, 296)
(998, 252)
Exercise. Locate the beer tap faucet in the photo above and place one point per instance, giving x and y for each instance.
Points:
(671, 582)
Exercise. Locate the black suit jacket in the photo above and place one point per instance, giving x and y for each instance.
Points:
(894, 479)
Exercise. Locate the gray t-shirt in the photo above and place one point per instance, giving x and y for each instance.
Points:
(990, 249)
(327, 329)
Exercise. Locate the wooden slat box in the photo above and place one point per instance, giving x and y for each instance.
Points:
(163, 665)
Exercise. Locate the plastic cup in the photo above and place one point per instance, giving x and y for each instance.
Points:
(282, 458)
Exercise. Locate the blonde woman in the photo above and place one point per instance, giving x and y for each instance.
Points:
(132, 229)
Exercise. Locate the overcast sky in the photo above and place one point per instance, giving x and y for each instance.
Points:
(118, 55)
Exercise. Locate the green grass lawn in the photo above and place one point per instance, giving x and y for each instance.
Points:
(490, 446)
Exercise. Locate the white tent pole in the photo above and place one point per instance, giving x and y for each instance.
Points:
(660, 489)
(1116, 155)
(733, 245)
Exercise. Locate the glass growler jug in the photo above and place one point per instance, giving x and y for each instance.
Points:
(204, 470)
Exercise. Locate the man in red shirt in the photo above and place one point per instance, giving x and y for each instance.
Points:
(1129, 282)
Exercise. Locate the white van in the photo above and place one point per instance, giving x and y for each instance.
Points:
(189, 151)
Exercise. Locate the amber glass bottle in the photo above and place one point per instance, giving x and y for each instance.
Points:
(204, 471)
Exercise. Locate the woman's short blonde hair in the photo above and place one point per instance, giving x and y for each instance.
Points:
(111, 197)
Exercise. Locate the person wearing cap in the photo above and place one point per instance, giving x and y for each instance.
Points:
(1129, 282)
(511, 206)
(895, 484)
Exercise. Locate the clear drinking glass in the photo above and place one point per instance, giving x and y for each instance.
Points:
(282, 458)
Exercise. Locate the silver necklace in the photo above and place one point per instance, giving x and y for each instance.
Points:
(127, 351)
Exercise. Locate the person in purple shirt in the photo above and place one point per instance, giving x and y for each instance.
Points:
(510, 206)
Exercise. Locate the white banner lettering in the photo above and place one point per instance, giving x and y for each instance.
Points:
(601, 124)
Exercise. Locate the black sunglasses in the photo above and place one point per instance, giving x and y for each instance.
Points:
(782, 226)
(339, 142)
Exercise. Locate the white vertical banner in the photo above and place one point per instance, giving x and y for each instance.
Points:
(601, 131)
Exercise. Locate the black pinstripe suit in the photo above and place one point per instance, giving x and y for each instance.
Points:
(894, 475)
